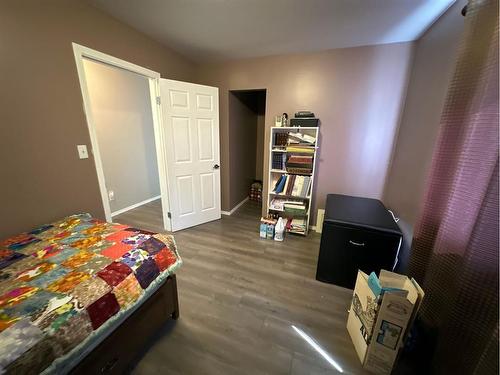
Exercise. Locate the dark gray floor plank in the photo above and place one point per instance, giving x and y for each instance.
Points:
(239, 297)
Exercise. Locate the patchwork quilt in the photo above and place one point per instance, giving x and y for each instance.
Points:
(62, 282)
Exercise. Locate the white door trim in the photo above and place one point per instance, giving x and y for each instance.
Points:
(81, 52)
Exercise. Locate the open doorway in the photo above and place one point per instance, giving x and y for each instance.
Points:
(123, 119)
(247, 110)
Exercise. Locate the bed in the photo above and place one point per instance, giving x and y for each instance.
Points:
(83, 296)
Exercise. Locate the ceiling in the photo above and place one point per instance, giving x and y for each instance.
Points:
(214, 30)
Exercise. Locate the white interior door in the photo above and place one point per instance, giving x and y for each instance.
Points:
(191, 119)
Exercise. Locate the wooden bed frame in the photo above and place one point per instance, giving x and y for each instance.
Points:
(116, 353)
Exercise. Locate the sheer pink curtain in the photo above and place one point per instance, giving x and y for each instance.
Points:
(455, 247)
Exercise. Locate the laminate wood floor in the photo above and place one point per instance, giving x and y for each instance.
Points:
(239, 297)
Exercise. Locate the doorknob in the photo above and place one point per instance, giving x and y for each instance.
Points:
(216, 166)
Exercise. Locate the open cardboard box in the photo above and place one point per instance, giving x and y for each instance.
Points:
(379, 324)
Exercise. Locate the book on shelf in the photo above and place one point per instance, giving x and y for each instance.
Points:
(285, 188)
(297, 186)
(301, 188)
(300, 138)
(293, 185)
(306, 186)
(281, 139)
(278, 204)
(303, 171)
(280, 184)
(279, 160)
(300, 164)
(296, 225)
(300, 161)
(301, 149)
(295, 208)
(289, 186)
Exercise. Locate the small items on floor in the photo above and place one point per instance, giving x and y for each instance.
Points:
(279, 230)
(271, 228)
(255, 193)
(267, 227)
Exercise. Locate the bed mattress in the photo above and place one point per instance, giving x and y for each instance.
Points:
(65, 286)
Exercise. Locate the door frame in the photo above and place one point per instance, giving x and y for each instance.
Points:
(80, 52)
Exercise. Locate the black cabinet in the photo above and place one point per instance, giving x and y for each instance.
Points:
(358, 233)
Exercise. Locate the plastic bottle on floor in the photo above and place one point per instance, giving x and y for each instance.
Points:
(279, 230)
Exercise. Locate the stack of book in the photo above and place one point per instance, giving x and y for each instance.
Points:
(293, 185)
(301, 164)
(295, 208)
(299, 138)
(280, 139)
(296, 225)
(279, 160)
(300, 149)
(277, 204)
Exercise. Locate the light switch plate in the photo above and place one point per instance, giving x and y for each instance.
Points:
(82, 151)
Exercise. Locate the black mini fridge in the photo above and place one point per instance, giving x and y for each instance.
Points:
(358, 233)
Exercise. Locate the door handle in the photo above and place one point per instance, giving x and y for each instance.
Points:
(216, 166)
(356, 243)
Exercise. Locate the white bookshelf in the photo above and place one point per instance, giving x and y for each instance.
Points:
(274, 174)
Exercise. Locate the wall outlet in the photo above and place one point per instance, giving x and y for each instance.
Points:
(82, 151)
(111, 195)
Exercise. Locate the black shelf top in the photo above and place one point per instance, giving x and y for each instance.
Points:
(356, 211)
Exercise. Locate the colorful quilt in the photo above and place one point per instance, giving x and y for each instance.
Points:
(61, 282)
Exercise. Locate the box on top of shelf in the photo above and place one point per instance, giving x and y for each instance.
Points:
(304, 114)
(304, 121)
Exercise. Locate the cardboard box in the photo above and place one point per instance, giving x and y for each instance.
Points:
(379, 320)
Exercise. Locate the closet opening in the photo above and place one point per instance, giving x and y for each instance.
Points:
(122, 119)
(246, 110)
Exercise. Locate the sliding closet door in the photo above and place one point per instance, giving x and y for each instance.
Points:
(191, 119)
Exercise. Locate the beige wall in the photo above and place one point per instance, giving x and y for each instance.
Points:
(356, 92)
(123, 119)
(41, 113)
(433, 67)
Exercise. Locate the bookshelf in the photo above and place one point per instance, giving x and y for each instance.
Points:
(292, 165)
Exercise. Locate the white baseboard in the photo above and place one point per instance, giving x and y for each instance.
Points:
(236, 207)
(121, 211)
